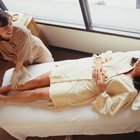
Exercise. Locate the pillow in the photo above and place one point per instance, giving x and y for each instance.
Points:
(135, 53)
(136, 103)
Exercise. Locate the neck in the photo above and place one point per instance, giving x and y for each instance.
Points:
(130, 73)
(133, 73)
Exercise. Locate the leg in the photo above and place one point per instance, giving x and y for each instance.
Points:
(40, 81)
(27, 96)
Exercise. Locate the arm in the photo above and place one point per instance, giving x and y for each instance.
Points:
(18, 66)
(117, 96)
(14, 78)
(98, 74)
(25, 73)
(24, 43)
(98, 68)
(24, 52)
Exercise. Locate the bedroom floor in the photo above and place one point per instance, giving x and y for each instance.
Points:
(61, 54)
(130, 136)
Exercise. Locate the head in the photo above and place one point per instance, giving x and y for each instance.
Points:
(135, 62)
(6, 27)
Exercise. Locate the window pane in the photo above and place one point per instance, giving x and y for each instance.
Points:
(64, 11)
(120, 15)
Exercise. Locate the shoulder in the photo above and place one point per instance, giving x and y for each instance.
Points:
(20, 29)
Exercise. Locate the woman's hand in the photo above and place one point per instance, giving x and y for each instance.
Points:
(100, 81)
(96, 73)
(14, 78)
(99, 75)
(97, 69)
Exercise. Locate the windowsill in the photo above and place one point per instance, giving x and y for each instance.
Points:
(62, 24)
(95, 29)
(117, 32)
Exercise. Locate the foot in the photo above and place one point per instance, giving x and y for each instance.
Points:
(3, 91)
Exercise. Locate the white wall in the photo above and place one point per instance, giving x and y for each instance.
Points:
(87, 41)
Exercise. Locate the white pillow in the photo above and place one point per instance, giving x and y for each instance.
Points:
(136, 103)
(134, 53)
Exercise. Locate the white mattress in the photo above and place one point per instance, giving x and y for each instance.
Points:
(33, 119)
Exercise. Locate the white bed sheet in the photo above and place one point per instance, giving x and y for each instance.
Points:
(33, 119)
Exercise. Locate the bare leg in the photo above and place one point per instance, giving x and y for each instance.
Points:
(27, 96)
(40, 81)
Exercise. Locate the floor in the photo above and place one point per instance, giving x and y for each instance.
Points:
(130, 136)
(61, 54)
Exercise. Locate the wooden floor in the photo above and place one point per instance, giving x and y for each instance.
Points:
(61, 54)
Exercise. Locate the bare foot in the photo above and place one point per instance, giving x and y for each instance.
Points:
(3, 91)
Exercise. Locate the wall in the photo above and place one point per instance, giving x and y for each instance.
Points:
(87, 41)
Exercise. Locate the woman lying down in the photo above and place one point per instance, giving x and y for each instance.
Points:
(108, 86)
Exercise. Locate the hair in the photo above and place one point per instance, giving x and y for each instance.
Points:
(136, 79)
(4, 17)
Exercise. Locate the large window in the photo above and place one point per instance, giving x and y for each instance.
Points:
(60, 12)
(112, 16)
(120, 15)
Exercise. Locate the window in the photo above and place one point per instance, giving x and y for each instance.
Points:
(120, 15)
(111, 16)
(63, 12)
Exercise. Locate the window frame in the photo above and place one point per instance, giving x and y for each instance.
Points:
(2, 5)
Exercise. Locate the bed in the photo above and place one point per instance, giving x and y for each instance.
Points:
(34, 119)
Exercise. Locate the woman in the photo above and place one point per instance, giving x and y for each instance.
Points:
(107, 86)
(18, 45)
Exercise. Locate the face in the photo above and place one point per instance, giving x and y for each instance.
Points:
(6, 32)
(137, 68)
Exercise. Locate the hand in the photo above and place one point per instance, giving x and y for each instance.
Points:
(99, 75)
(14, 80)
(96, 72)
(100, 81)
(25, 74)
(98, 67)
